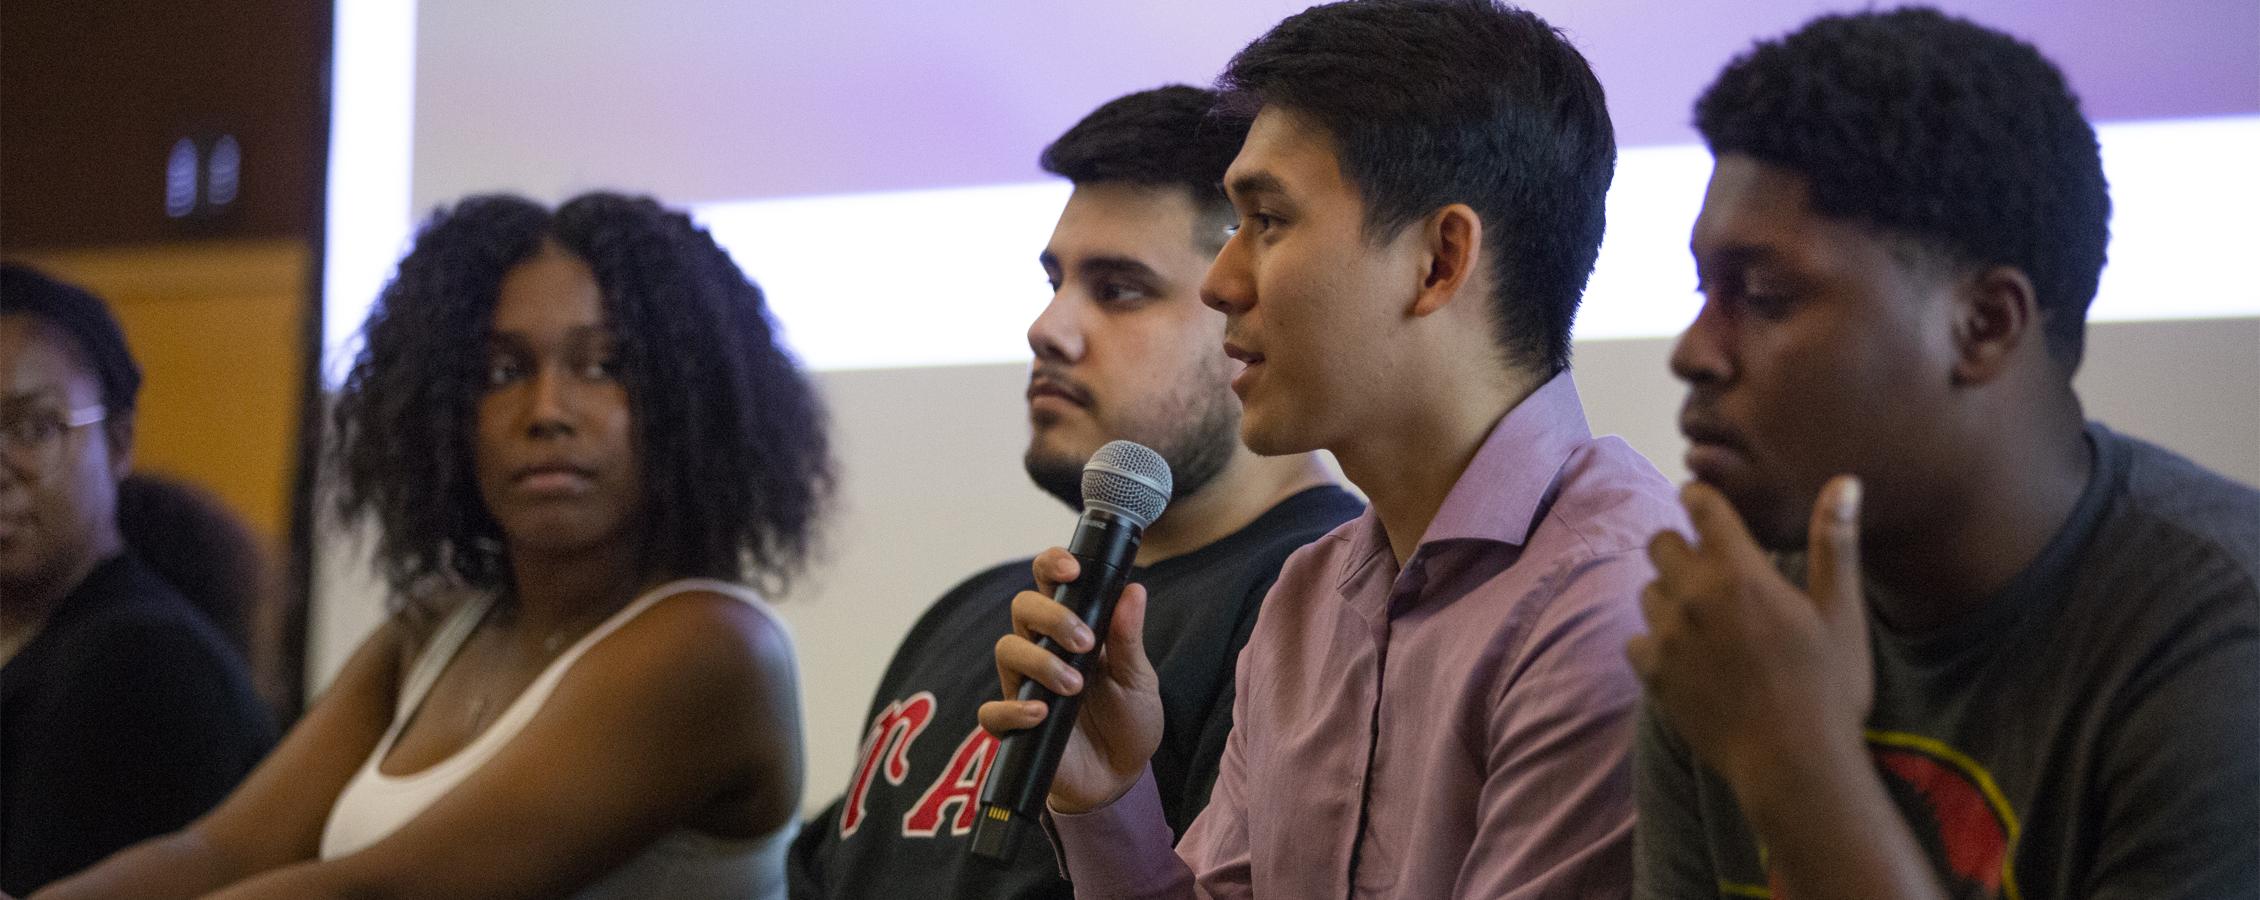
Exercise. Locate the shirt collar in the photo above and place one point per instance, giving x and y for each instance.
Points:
(1498, 496)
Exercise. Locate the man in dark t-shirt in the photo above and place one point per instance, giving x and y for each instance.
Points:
(2087, 732)
(1997, 651)
(1125, 350)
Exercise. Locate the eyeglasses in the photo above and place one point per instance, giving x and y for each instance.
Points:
(31, 440)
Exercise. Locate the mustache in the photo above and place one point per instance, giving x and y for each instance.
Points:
(1051, 379)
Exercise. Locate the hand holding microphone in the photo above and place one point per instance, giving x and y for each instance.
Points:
(1081, 698)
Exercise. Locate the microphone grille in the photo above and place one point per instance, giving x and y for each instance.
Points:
(1128, 480)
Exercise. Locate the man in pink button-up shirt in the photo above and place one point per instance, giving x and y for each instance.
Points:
(1434, 702)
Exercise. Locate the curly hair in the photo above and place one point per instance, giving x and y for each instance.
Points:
(1937, 129)
(1434, 102)
(729, 435)
(1165, 137)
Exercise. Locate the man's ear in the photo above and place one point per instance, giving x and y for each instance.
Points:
(1452, 250)
(1996, 313)
(118, 430)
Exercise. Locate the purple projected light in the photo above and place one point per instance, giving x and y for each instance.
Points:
(914, 129)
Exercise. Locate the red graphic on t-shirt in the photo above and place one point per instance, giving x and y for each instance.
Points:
(888, 743)
(1968, 820)
(959, 785)
(1976, 841)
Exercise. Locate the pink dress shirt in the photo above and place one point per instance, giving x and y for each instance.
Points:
(1457, 727)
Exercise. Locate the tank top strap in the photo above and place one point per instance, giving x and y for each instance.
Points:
(650, 598)
(437, 654)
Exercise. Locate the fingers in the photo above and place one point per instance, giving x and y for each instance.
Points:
(1641, 652)
(1718, 527)
(1007, 679)
(1002, 717)
(1037, 615)
(1678, 566)
(1033, 616)
(1055, 567)
(1658, 608)
(1832, 572)
(1018, 656)
(1669, 621)
(1670, 554)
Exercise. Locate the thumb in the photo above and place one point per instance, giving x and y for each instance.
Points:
(1832, 553)
(1126, 638)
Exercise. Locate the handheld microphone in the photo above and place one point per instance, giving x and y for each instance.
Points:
(1125, 487)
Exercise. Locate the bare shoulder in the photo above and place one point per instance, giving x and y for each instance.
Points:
(715, 646)
(703, 620)
(706, 681)
(375, 667)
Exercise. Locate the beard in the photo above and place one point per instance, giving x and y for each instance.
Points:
(1196, 445)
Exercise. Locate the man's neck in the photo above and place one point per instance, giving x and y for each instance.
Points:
(1408, 463)
(1249, 486)
(1987, 528)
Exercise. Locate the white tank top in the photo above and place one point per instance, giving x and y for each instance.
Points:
(684, 863)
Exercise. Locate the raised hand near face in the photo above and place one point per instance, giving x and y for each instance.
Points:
(1751, 671)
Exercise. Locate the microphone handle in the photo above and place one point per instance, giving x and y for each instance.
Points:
(1021, 777)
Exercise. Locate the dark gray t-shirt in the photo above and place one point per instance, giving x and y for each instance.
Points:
(2091, 732)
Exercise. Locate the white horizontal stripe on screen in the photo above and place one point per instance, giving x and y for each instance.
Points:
(949, 276)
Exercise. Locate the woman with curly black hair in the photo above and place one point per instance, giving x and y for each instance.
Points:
(578, 438)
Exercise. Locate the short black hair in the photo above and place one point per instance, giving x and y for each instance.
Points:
(729, 434)
(1934, 128)
(1163, 137)
(87, 321)
(1435, 102)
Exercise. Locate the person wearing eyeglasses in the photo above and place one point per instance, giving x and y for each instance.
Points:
(124, 712)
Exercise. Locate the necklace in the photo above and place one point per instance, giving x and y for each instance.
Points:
(479, 707)
(484, 706)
